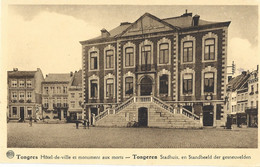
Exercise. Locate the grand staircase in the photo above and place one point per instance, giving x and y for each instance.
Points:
(160, 114)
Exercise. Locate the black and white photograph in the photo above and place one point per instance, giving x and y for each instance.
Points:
(129, 76)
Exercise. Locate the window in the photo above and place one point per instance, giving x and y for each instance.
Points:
(238, 97)
(58, 89)
(93, 60)
(21, 83)
(45, 102)
(14, 96)
(72, 104)
(65, 102)
(242, 107)
(129, 56)
(65, 89)
(93, 88)
(209, 82)
(72, 95)
(21, 96)
(146, 57)
(245, 105)
(52, 89)
(58, 102)
(129, 86)
(209, 52)
(29, 95)
(109, 88)
(14, 110)
(80, 95)
(187, 83)
(46, 90)
(109, 59)
(14, 83)
(29, 111)
(28, 83)
(163, 84)
(238, 107)
(252, 104)
(187, 51)
(164, 53)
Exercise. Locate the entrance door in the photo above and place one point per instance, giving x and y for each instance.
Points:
(146, 86)
(143, 117)
(22, 113)
(208, 115)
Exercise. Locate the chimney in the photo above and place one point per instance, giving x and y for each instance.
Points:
(71, 74)
(257, 68)
(104, 33)
(124, 23)
(15, 69)
(195, 20)
(229, 78)
(186, 13)
(244, 72)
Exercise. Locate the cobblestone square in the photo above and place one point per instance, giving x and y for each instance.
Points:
(21, 135)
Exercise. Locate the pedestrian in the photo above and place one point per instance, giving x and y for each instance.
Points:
(77, 124)
(30, 122)
(84, 123)
(88, 123)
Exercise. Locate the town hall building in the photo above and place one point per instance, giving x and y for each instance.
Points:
(155, 72)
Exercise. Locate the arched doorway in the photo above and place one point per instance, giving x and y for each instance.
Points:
(146, 86)
(143, 117)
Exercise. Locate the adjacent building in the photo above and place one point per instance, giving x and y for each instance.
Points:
(252, 108)
(55, 96)
(24, 94)
(178, 63)
(75, 97)
(237, 97)
(242, 99)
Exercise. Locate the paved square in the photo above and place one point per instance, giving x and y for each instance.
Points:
(67, 136)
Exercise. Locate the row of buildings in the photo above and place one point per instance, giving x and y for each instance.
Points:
(57, 96)
(158, 72)
(242, 99)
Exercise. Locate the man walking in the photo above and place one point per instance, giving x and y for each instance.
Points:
(84, 123)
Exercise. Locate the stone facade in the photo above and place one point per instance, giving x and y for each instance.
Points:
(24, 94)
(181, 60)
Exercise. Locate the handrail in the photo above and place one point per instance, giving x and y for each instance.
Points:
(163, 104)
(102, 115)
(190, 114)
(124, 104)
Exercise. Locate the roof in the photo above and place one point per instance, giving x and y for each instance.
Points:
(180, 22)
(77, 79)
(58, 78)
(21, 73)
(185, 21)
(238, 81)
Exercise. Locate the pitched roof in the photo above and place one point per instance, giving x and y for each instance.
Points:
(185, 21)
(238, 81)
(21, 73)
(58, 78)
(77, 79)
(180, 22)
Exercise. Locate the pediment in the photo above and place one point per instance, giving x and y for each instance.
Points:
(147, 24)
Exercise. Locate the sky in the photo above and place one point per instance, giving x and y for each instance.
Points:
(47, 36)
